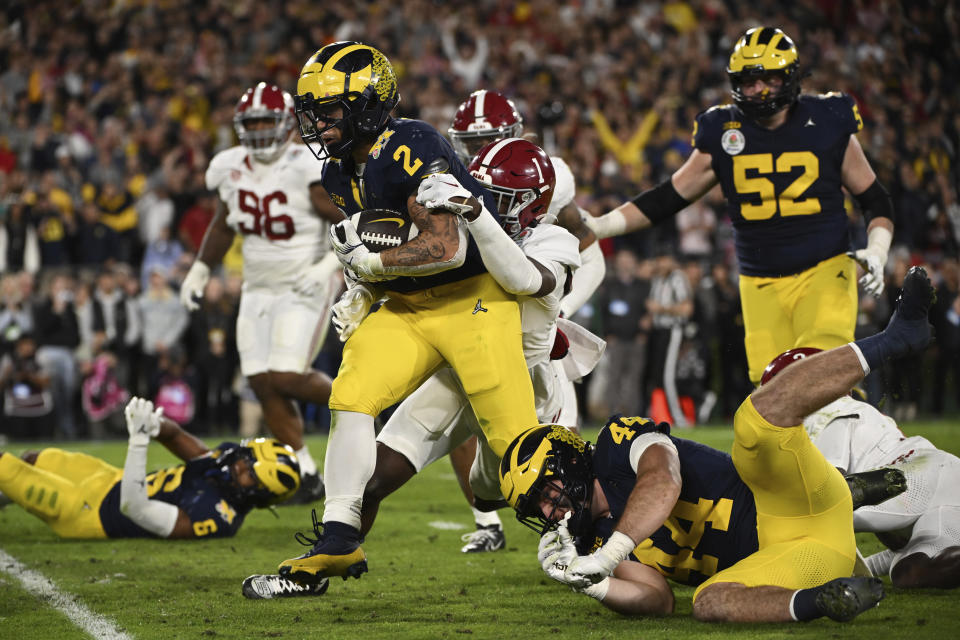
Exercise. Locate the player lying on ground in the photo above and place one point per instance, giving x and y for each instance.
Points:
(780, 545)
(208, 496)
(922, 525)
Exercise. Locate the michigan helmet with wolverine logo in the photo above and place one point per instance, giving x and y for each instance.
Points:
(352, 77)
(759, 52)
(274, 464)
(532, 464)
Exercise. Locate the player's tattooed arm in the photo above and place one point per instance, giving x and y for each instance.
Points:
(441, 244)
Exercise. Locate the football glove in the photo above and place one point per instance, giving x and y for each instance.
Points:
(350, 310)
(143, 422)
(872, 265)
(317, 277)
(584, 571)
(438, 190)
(193, 285)
(352, 253)
(556, 551)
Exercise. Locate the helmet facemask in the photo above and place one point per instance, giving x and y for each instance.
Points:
(765, 104)
(272, 464)
(264, 144)
(519, 208)
(468, 143)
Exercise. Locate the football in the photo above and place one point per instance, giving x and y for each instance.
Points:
(381, 229)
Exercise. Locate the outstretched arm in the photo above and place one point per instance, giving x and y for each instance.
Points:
(690, 182)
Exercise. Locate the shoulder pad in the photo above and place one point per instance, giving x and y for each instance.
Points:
(221, 165)
(628, 426)
(709, 123)
(565, 187)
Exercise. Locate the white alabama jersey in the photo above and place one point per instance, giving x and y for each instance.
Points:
(559, 251)
(854, 436)
(564, 188)
(269, 205)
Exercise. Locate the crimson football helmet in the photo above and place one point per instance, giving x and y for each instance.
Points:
(520, 176)
(260, 103)
(484, 117)
(784, 360)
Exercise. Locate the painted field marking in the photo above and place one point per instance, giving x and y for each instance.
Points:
(40, 587)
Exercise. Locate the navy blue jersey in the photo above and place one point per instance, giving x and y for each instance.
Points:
(397, 162)
(783, 186)
(188, 487)
(712, 526)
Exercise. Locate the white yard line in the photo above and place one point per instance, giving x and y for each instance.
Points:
(43, 589)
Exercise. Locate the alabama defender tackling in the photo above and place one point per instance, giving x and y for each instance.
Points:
(270, 194)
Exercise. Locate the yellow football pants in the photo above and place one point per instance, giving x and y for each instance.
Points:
(814, 308)
(64, 489)
(474, 325)
(804, 509)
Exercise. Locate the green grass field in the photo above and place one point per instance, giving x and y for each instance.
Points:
(419, 585)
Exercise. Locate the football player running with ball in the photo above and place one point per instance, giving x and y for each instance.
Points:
(765, 534)
(443, 308)
(270, 194)
(782, 160)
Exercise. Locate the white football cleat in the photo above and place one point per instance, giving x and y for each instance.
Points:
(265, 587)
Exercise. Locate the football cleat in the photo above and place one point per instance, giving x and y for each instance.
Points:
(876, 486)
(311, 490)
(485, 538)
(331, 555)
(261, 587)
(843, 599)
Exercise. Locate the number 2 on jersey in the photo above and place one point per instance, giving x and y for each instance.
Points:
(273, 227)
(790, 202)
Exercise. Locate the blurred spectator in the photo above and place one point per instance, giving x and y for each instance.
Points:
(174, 390)
(115, 205)
(96, 243)
(164, 321)
(162, 253)
(945, 317)
(116, 322)
(58, 333)
(26, 395)
(670, 305)
(214, 350)
(731, 352)
(103, 398)
(195, 221)
(622, 302)
(16, 317)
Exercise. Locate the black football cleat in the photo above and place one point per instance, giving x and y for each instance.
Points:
(488, 538)
(330, 555)
(908, 329)
(267, 587)
(843, 599)
(873, 487)
(311, 490)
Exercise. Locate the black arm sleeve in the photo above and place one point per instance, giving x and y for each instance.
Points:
(661, 202)
(875, 202)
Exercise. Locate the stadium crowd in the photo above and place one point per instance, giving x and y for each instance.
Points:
(110, 112)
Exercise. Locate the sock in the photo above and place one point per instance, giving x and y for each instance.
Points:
(909, 329)
(486, 518)
(341, 530)
(803, 605)
(307, 465)
(349, 463)
(880, 563)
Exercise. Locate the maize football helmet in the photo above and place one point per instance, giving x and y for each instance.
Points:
(759, 52)
(482, 118)
(549, 466)
(520, 175)
(274, 465)
(784, 360)
(355, 79)
(264, 102)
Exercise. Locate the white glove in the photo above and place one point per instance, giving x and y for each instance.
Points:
(872, 265)
(584, 571)
(193, 285)
(556, 551)
(143, 422)
(350, 310)
(317, 277)
(437, 191)
(352, 253)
